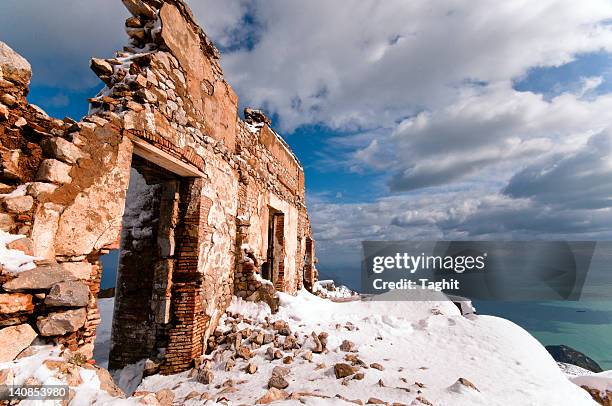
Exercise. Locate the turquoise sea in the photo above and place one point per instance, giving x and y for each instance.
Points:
(583, 325)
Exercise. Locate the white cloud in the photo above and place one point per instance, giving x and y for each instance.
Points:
(370, 63)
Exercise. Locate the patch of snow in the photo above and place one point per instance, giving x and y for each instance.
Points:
(254, 128)
(129, 377)
(601, 381)
(14, 261)
(18, 192)
(571, 370)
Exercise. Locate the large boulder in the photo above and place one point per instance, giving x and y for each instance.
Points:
(68, 293)
(15, 339)
(13, 67)
(41, 278)
(568, 355)
(60, 323)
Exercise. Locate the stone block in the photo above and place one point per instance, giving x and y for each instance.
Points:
(35, 189)
(18, 204)
(10, 164)
(45, 227)
(54, 171)
(60, 323)
(62, 149)
(6, 222)
(40, 278)
(15, 302)
(79, 270)
(14, 67)
(68, 293)
(15, 339)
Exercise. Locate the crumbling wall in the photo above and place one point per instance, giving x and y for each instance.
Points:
(64, 186)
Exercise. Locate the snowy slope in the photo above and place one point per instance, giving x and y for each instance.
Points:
(423, 346)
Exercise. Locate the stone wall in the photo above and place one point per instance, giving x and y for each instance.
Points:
(212, 180)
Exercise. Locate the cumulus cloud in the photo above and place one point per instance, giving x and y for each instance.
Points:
(496, 126)
(364, 63)
(581, 180)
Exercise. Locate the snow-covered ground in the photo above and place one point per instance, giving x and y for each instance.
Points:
(423, 347)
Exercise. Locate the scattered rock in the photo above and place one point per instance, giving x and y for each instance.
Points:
(15, 339)
(165, 397)
(355, 401)
(375, 401)
(317, 348)
(205, 376)
(251, 368)
(272, 395)
(290, 343)
(277, 382)
(343, 370)
(288, 359)
(359, 376)
(244, 353)
(107, 384)
(424, 401)
(192, 395)
(230, 364)
(60, 323)
(280, 371)
(307, 355)
(69, 293)
(348, 346)
(376, 365)
(466, 383)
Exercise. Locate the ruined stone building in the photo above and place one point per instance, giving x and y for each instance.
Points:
(215, 204)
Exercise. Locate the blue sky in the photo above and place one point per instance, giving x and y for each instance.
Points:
(413, 120)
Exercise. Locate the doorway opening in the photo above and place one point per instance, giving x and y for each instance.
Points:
(274, 267)
(309, 276)
(141, 314)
